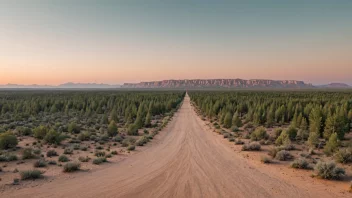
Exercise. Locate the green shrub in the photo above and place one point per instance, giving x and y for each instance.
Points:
(332, 145)
(265, 160)
(300, 164)
(277, 132)
(100, 153)
(71, 167)
(259, 134)
(8, 140)
(63, 158)
(118, 138)
(132, 130)
(73, 128)
(292, 132)
(84, 159)
(283, 139)
(131, 148)
(31, 174)
(283, 155)
(99, 160)
(53, 137)
(142, 141)
(114, 153)
(40, 132)
(51, 153)
(328, 170)
(27, 153)
(112, 129)
(68, 151)
(344, 155)
(8, 157)
(253, 146)
(40, 163)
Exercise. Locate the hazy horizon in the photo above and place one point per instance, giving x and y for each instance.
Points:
(51, 43)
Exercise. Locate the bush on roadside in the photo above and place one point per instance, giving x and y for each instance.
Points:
(71, 167)
(328, 170)
(253, 146)
(51, 153)
(259, 134)
(31, 174)
(8, 140)
(265, 160)
(283, 155)
(40, 163)
(63, 158)
(344, 155)
(27, 153)
(99, 160)
(301, 164)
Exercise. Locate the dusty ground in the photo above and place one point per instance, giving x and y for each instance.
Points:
(188, 160)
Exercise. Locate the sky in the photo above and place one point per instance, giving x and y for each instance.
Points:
(57, 41)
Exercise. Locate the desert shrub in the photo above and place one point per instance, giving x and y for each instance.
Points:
(277, 132)
(283, 139)
(83, 148)
(235, 129)
(84, 136)
(37, 151)
(226, 135)
(259, 134)
(27, 153)
(52, 162)
(8, 140)
(300, 164)
(73, 128)
(84, 159)
(63, 158)
(253, 146)
(132, 130)
(76, 146)
(265, 160)
(40, 163)
(112, 129)
(71, 167)
(283, 155)
(344, 155)
(53, 137)
(332, 145)
(114, 153)
(31, 174)
(142, 140)
(239, 142)
(40, 132)
(100, 153)
(99, 160)
(292, 132)
(328, 170)
(108, 156)
(117, 138)
(68, 151)
(8, 157)
(231, 139)
(131, 147)
(24, 131)
(51, 153)
(273, 152)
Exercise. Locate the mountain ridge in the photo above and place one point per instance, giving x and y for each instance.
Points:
(220, 83)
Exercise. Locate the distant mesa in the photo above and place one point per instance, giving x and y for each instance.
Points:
(335, 85)
(220, 83)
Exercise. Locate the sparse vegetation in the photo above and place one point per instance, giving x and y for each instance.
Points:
(71, 167)
(253, 146)
(329, 170)
(31, 174)
(301, 163)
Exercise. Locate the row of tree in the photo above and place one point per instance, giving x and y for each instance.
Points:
(316, 114)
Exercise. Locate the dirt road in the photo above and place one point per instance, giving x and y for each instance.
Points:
(188, 161)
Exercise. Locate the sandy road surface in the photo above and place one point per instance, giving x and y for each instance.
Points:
(187, 162)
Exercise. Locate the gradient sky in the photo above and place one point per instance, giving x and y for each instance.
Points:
(106, 41)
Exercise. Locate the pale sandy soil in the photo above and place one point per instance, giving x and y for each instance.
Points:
(188, 160)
